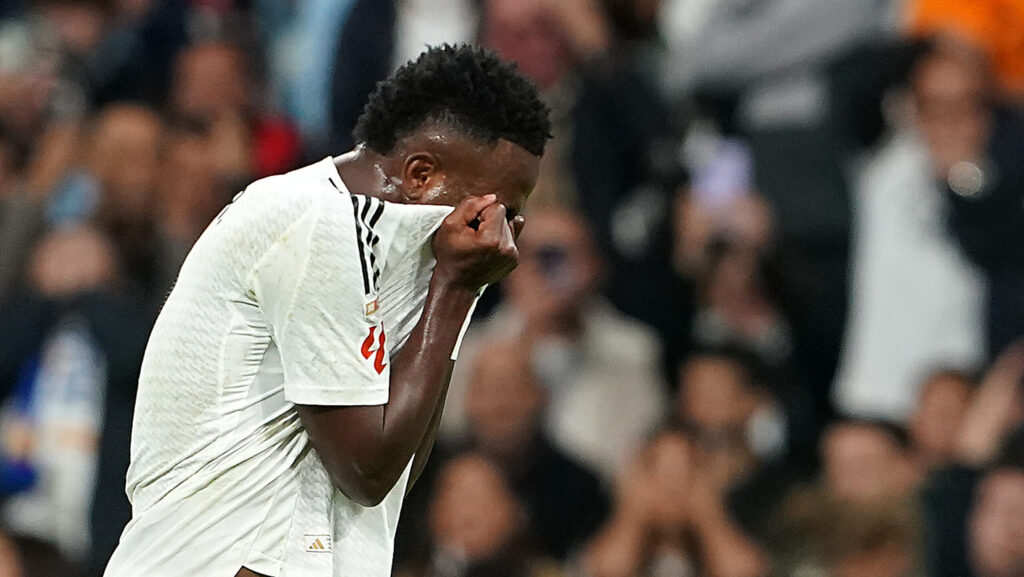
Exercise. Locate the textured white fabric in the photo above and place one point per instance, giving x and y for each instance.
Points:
(917, 303)
(284, 299)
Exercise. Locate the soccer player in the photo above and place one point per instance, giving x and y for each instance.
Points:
(295, 378)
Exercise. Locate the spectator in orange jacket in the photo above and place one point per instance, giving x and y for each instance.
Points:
(992, 25)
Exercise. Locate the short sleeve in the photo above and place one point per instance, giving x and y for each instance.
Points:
(309, 285)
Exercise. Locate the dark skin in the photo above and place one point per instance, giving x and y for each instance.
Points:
(366, 449)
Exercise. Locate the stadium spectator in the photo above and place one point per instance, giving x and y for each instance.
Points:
(670, 520)
(478, 527)
(112, 51)
(718, 204)
(189, 195)
(373, 38)
(69, 358)
(775, 73)
(505, 407)
(974, 147)
(42, 139)
(861, 510)
(723, 234)
(29, 70)
(996, 525)
(719, 397)
(866, 461)
(121, 164)
(727, 401)
(735, 306)
(991, 433)
(921, 306)
(213, 84)
(104, 171)
(565, 503)
(599, 367)
(991, 25)
(612, 156)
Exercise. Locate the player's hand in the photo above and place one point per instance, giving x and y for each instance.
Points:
(476, 244)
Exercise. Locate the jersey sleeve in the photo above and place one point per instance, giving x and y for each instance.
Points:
(309, 284)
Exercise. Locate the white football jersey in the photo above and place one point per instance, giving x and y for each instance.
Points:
(299, 292)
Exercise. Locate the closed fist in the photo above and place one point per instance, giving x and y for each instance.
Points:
(476, 244)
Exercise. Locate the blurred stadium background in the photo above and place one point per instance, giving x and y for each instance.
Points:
(765, 322)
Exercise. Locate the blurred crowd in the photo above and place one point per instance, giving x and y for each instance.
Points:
(767, 314)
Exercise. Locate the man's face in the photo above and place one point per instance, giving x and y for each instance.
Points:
(863, 464)
(997, 525)
(123, 156)
(470, 168)
(210, 81)
(525, 32)
(473, 511)
(715, 395)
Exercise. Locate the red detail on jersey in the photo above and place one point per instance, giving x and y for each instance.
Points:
(367, 349)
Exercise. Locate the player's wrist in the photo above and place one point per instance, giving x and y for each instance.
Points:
(450, 281)
(448, 287)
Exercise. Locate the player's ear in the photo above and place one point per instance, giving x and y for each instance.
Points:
(421, 173)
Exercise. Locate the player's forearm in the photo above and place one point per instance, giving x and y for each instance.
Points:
(366, 448)
(419, 378)
(426, 446)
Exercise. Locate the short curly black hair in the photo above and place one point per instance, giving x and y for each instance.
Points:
(464, 86)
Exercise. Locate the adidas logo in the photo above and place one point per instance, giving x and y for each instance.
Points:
(318, 543)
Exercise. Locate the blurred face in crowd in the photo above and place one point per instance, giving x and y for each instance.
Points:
(28, 79)
(949, 89)
(123, 155)
(189, 192)
(134, 8)
(523, 31)
(732, 286)
(935, 424)
(863, 463)
(715, 394)
(474, 513)
(558, 267)
(69, 261)
(78, 25)
(210, 81)
(504, 401)
(996, 527)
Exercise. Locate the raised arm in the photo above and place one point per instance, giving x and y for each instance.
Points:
(365, 449)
